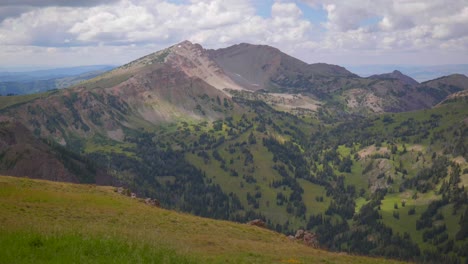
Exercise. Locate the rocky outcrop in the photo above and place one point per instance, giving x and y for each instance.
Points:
(127, 192)
(308, 238)
(152, 202)
(257, 222)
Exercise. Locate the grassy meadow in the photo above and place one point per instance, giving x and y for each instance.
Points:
(50, 222)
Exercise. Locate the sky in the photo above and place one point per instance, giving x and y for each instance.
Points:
(56, 33)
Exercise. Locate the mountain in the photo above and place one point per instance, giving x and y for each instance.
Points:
(454, 82)
(420, 73)
(374, 166)
(256, 67)
(396, 75)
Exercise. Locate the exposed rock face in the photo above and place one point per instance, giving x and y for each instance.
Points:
(308, 238)
(299, 234)
(194, 61)
(257, 222)
(127, 192)
(152, 202)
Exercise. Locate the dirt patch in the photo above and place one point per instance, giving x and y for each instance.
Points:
(117, 135)
(371, 150)
(464, 180)
(459, 160)
(356, 98)
(291, 101)
(421, 199)
(415, 148)
(195, 62)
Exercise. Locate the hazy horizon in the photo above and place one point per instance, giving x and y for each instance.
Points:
(420, 73)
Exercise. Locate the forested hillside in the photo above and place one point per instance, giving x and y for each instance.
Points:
(390, 185)
(300, 146)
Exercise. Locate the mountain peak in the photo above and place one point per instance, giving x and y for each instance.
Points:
(396, 74)
(187, 44)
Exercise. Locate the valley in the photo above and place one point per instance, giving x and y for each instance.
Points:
(374, 166)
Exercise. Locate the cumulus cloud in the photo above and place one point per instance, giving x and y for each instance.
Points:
(54, 2)
(127, 22)
(400, 23)
(352, 27)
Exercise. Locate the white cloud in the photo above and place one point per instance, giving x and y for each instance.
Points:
(399, 25)
(354, 28)
(54, 2)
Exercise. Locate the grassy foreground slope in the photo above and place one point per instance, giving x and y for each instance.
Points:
(50, 222)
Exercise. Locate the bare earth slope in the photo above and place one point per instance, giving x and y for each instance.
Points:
(259, 67)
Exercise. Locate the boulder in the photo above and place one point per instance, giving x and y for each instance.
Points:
(299, 234)
(120, 190)
(310, 239)
(152, 202)
(257, 222)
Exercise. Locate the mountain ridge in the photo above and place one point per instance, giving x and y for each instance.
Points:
(317, 148)
(395, 75)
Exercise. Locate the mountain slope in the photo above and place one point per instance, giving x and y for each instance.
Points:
(263, 67)
(24, 155)
(54, 222)
(454, 82)
(137, 95)
(178, 126)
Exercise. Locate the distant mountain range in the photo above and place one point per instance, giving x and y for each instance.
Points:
(27, 82)
(420, 73)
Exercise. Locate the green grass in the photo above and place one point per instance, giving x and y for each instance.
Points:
(33, 247)
(119, 148)
(50, 222)
(264, 174)
(311, 191)
(105, 80)
(356, 177)
(406, 223)
(360, 202)
(451, 221)
(464, 179)
(7, 101)
(343, 151)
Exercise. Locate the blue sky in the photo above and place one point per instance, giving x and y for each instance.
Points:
(65, 33)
